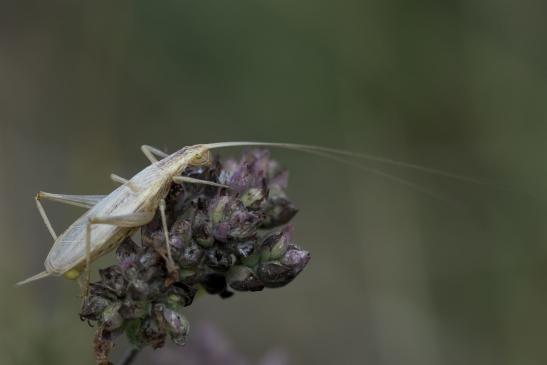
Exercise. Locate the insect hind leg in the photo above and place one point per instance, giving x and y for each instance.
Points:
(44, 216)
(83, 201)
(133, 220)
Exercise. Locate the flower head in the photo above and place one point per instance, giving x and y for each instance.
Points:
(221, 240)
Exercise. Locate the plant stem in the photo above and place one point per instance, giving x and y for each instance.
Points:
(129, 356)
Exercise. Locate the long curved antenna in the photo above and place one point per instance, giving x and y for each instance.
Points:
(362, 156)
(408, 183)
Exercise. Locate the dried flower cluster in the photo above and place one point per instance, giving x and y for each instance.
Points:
(220, 240)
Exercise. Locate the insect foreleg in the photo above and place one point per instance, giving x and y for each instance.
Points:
(191, 180)
(151, 153)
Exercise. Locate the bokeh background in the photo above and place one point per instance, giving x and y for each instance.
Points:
(397, 276)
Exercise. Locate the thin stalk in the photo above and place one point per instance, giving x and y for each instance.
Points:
(129, 356)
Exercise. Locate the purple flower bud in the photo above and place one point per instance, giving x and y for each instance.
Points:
(296, 258)
(177, 325)
(149, 258)
(243, 278)
(277, 210)
(180, 232)
(176, 243)
(274, 171)
(275, 274)
(258, 161)
(221, 231)
(127, 253)
(279, 181)
(112, 278)
(229, 168)
(231, 220)
(243, 224)
(190, 255)
(250, 172)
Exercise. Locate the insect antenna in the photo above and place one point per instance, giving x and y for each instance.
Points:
(412, 185)
(338, 155)
(362, 156)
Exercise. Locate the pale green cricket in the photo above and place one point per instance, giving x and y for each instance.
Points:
(112, 218)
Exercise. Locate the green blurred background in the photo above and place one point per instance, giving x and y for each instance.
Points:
(396, 277)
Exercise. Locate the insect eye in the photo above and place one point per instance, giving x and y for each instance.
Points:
(201, 158)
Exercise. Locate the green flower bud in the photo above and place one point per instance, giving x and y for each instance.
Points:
(251, 261)
(180, 294)
(253, 197)
(274, 246)
(243, 278)
(220, 209)
(206, 242)
(111, 317)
